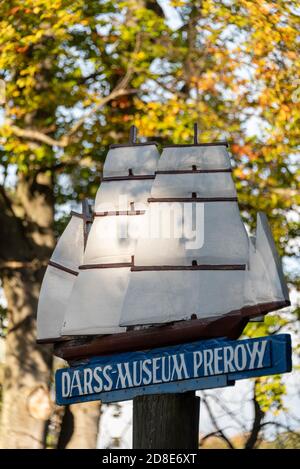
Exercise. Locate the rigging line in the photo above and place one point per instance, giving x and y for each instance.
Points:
(136, 268)
(193, 199)
(208, 144)
(62, 267)
(192, 171)
(105, 266)
(131, 177)
(122, 145)
(82, 215)
(119, 212)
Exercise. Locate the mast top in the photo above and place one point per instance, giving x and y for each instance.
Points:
(195, 133)
(132, 140)
(133, 134)
(196, 141)
(85, 208)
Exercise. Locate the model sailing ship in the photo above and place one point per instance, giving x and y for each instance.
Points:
(111, 288)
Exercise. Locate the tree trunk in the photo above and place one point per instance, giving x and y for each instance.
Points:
(80, 425)
(26, 234)
(26, 402)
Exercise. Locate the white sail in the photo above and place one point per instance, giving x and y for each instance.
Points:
(95, 303)
(98, 294)
(201, 184)
(266, 273)
(273, 287)
(140, 159)
(119, 195)
(189, 231)
(213, 234)
(206, 294)
(203, 157)
(225, 274)
(69, 248)
(182, 295)
(112, 240)
(59, 279)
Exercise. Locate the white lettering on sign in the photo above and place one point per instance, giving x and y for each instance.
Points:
(228, 359)
(166, 364)
(208, 359)
(124, 375)
(156, 367)
(218, 357)
(240, 357)
(164, 368)
(257, 353)
(198, 360)
(179, 369)
(106, 376)
(76, 384)
(98, 379)
(87, 381)
(65, 384)
(137, 377)
(147, 371)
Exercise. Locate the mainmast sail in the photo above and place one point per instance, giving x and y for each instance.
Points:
(205, 273)
(98, 293)
(60, 276)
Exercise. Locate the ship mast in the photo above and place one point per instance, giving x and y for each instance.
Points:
(195, 133)
(87, 219)
(133, 134)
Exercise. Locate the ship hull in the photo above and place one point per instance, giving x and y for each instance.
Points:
(230, 326)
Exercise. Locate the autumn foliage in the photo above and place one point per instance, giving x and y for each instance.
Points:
(78, 74)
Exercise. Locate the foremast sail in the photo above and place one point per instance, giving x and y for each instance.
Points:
(60, 276)
(98, 293)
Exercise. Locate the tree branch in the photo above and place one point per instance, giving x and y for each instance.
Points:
(65, 140)
(225, 408)
(119, 91)
(219, 430)
(31, 134)
(257, 423)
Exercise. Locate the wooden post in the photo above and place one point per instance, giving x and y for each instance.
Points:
(166, 421)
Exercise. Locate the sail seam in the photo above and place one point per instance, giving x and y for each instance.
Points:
(119, 212)
(62, 267)
(133, 177)
(193, 171)
(125, 145)
(189, 267)
(105, 266)
(193, 199)
(208, 144)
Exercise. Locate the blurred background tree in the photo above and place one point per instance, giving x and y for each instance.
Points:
(77, 75)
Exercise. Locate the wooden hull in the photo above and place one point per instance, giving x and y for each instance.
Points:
(230, 325)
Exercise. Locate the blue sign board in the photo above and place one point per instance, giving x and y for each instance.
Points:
(198, 365)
